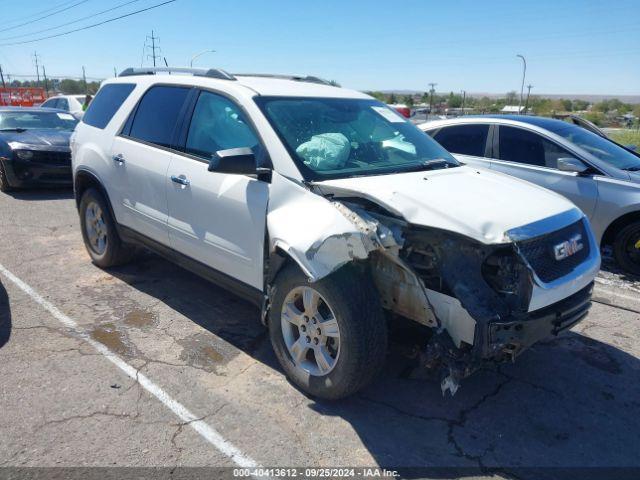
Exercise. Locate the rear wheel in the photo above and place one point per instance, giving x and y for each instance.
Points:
(4, 183)
(626, 248)
(329, 336)
(99, 232)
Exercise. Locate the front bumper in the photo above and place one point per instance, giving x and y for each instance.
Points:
(507, 339)
(26, 173)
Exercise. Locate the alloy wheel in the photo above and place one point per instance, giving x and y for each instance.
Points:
(95, 228)
(310, 331)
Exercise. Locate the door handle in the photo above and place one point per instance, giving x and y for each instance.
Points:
(182, 180)
(118, 158)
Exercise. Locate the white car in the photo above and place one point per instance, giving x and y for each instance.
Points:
(69, 103)
(334, 215)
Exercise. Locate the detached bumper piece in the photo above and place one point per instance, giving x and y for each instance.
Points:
(509, 339)
(43, 168)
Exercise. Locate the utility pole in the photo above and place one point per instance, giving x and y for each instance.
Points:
(115, 72)
(526, 103)
(153, 47)
(431, 92)
(2, 77)
(46, 86)
(35, 59)
(84, 80)
(464, 97)
(524, 72)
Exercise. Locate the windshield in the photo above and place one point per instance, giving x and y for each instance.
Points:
(29, 120)
(599, 147)
(343, 137)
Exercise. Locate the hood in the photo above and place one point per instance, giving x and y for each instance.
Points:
(477, 203)
(38, 138)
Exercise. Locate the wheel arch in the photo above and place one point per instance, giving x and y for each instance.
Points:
(84, 180)
(622, 221)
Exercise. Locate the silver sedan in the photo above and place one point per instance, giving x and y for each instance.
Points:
(601, 177)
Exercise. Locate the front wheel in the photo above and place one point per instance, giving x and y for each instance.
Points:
(329, 336)
(4, 183)
(626, 248)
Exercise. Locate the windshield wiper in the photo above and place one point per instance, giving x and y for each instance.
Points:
(19, 130)
(635, 168)
(430, 165)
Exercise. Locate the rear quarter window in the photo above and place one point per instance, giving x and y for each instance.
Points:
(464, 139)
(106, 103)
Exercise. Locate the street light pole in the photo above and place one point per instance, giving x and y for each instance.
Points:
(199, 54)
(524, 72)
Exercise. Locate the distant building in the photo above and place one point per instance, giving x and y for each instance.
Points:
(512, 109)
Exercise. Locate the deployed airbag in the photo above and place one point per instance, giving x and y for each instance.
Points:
(326, 151)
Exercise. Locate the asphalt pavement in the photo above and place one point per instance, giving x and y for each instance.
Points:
(148, 365)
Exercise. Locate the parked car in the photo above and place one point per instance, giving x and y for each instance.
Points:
(402, 109)
(73, 104)
(34, 147)
(334, 215)
(598, 175)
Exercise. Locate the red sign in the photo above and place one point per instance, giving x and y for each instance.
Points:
(21, 96)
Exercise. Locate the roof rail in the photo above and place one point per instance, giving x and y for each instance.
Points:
(297, 78)
(196, 72)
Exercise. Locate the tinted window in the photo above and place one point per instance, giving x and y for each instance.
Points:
(107, 102)
(50, 103)
(217, 124)
(522, 146)
(157, 114)
(63, 103)
(464, 139)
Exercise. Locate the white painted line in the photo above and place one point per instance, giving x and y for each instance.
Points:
(204, 429)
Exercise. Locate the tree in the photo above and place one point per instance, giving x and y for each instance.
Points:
(454, 101)
(512, 97)
(71, 87)
(408, 100)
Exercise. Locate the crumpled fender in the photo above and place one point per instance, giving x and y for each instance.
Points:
(319, 235)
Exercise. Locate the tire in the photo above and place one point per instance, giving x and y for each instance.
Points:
(351, 299)
(110, 251)
(626, 248)
(4, 183)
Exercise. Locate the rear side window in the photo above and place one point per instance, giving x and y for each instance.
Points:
(63, 104)
(157, 114)
(106, 103)
(464, 139)
(522, 146)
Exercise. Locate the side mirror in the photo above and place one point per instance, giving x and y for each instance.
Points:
(238, 161)
(572, 165)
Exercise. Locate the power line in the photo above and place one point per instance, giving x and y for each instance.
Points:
(44, 16)
(72, 22)
(88, 26)
(63, 4)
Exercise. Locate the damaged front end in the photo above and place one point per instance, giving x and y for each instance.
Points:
(477, 298)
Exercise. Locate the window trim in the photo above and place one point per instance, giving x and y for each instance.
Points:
(178, 143)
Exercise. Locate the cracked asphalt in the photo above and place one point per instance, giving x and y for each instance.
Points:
(572, 401)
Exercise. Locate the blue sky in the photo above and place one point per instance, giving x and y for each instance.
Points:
(571, 46)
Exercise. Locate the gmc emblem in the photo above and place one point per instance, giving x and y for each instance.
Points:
(568, 248)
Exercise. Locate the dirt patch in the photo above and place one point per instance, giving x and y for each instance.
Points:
(139, 318)
(112, 338)
(200, 351)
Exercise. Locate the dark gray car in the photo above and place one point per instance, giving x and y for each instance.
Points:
(598, 175)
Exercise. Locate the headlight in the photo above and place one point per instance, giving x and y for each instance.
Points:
(24, 154)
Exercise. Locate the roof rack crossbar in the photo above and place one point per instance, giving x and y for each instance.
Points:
(196, 72)
(298, 78)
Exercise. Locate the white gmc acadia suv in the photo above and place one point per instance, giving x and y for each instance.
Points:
(333, 214)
